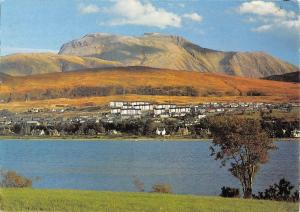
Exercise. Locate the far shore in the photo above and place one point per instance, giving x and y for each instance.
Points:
(121, 138)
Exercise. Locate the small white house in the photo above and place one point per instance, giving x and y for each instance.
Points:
(34, 123)
(116, 104)
(115, 110)
(296, 133)
(158, 132)
(163, 132)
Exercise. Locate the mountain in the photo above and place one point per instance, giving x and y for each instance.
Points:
(288, 77)
(40, 63)
(140, 81)
(174, 52)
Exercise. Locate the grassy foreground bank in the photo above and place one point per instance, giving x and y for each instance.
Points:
(75, 200)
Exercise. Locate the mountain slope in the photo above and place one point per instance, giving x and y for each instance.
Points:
(139, 81)
(288, 77)
(40, 63)
(174, 52)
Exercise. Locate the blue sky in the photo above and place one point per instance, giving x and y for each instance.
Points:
(260, 25)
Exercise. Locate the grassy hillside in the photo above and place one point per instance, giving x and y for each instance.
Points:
(71, 200)
(140, 81)
(41, 63)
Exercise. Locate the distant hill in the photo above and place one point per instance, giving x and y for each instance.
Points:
(174, 52)
(288, 77)
(138, 81)
(41, 63)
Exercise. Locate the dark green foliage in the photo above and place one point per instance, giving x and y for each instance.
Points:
(279, 192)
(87, 91)
(230, 192)
(255, 93)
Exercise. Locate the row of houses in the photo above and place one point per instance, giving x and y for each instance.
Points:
(138, 108)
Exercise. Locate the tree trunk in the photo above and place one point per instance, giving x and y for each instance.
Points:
(248, 193)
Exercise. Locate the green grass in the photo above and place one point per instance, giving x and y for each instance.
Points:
(75, 200)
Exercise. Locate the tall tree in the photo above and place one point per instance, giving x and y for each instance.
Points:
(242, 143)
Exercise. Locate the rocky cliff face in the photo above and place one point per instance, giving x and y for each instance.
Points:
(174, 52)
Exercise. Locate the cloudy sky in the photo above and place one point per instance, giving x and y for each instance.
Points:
(229, 25)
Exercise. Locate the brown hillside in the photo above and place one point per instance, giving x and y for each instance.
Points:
(139, 81)
(41, 63)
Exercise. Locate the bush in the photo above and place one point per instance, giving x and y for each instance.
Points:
(162, 188)
(255, 93)
(10, 179)
(279, 192)
(139, 185)
(230, 192)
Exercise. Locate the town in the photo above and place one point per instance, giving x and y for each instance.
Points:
(141, 118)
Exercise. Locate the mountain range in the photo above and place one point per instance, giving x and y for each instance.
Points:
(100, 50)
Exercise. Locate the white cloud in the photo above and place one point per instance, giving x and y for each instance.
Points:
(193, 16)
(137, 13)
(264, 8)
(269, 17)
(290, 26)
(88, 9)
(263, 28)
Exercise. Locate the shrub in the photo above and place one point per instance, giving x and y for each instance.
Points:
(230, 192)
(279, 192)
(139, 185)
(10, 179)
(162, 188)
(255, 93)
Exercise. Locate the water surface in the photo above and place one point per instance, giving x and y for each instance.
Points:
(113, 165)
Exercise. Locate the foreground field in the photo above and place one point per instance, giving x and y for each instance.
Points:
(71, 200)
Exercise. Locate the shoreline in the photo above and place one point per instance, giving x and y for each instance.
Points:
(125, 138)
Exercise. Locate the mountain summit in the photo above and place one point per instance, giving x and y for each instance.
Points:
(174, 52)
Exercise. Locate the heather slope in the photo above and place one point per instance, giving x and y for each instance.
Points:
(139, 81)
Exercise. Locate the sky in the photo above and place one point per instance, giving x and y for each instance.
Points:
(227, 25)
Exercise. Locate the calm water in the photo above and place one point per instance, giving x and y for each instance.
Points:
(187, 166)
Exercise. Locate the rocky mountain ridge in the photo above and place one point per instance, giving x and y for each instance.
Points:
(174, 52)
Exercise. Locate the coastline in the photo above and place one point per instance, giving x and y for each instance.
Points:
(121, 138)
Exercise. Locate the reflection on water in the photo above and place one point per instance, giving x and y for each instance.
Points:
(187, 166)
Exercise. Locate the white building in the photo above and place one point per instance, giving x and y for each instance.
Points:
(165, 106)
(158, 111)
(116, 104)
(115, 110)
(130, 111)
(296, 133)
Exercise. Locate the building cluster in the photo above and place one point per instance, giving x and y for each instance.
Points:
(138, 109)
(38, 121)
